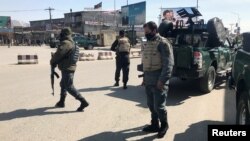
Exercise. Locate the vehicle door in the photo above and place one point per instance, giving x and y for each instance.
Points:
(225, 54)
(84, 41)
(81, 41)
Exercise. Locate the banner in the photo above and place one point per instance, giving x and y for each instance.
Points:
(179, 14)
(5, 22)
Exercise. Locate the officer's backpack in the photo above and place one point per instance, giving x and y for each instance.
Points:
(74, 56)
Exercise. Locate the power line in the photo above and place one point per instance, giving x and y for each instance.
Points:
(32, 10)
(60, 10)
(23, 10)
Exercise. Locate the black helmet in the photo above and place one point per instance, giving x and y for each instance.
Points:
(66, 31)
(122, 32)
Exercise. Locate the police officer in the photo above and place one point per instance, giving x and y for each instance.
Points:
(122, 48)
(67, 66)
(8, 41)
(158, 63)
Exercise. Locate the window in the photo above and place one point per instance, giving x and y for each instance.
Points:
(98, 37)
(186, 39)
(246, 42)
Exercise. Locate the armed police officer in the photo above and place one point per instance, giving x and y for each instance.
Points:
(66, 57)
(158, 63)
(122, 48)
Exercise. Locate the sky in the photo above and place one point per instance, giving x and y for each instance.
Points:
(227, 10)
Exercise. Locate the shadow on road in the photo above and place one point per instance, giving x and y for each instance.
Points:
(133, 93)
(196, 131)
(181, 90)
(23, 113)
(178, 93)
(220, 83)
(120, 135)
(229, 106)
(95, 89)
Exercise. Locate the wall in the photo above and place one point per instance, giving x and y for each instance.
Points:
(109, 37)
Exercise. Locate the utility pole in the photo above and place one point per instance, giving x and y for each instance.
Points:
(231, 25)
(50, 16)
(238, 22)
(115, 13)
(238, 18)
(197, 6)
(159, 17)
(71, 18)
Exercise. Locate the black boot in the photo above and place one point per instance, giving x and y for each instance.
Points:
(60, 103)
(83, 105)
(125, 86)
(116, 83)
(163, 130)
(154, 127)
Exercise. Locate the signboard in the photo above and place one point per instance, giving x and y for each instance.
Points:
(93, 23)
(98, 23)
(5, 22)
(6, 30)
(48, 27)
(179, 14)
(134, 14)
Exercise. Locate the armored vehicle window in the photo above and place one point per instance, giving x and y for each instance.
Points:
(227, 44)
(186, 39)
(246, 41)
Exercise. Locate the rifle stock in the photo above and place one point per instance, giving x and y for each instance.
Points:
(52, 74)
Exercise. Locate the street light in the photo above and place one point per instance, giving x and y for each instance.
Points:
(197, 6)
(238, 21)
(238, 18)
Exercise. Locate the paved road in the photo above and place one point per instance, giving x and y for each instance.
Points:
(27, 112)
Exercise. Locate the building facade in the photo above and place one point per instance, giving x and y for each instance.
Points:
(93, 21)
(45, 25)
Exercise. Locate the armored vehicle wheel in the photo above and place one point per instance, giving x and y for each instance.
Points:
(242, 115)
(90, 47)
(207, 82)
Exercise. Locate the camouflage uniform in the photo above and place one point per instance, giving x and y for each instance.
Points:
(62, 59)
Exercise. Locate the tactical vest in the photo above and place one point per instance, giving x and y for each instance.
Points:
(151, 57)
(123, 45)
(74, 56)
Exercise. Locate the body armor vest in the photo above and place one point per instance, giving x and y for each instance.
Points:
(123, 45)
(151, 57)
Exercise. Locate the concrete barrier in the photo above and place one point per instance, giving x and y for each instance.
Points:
(27, 59)
(86, 57)
(135, 54)
(105, 55)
